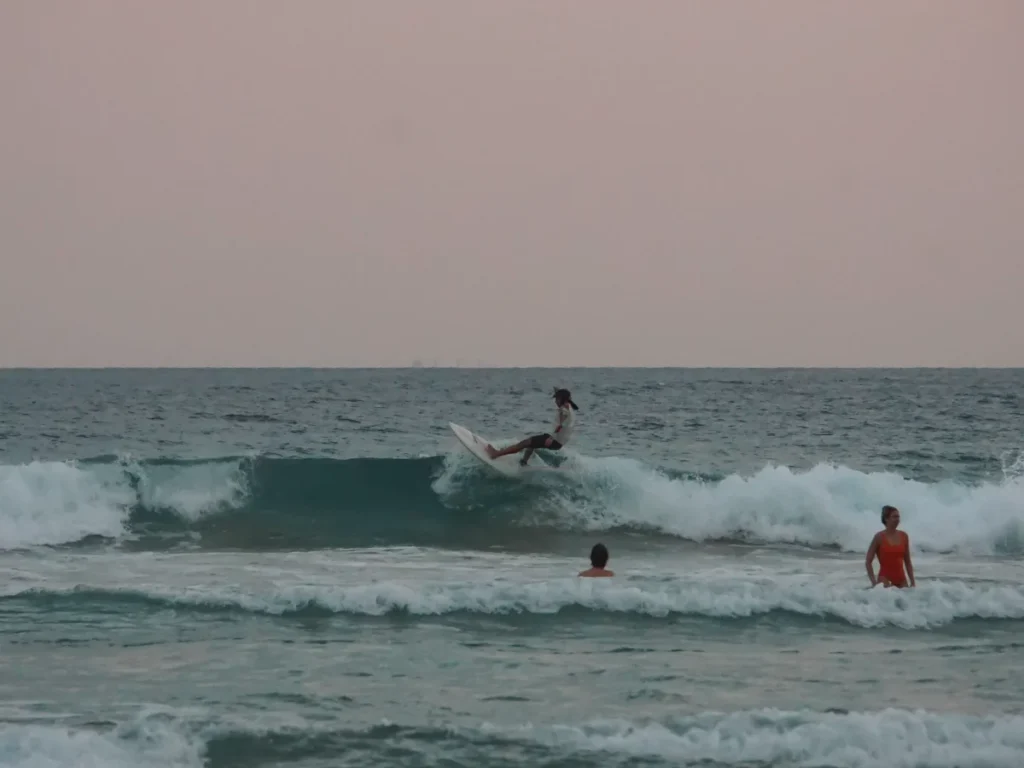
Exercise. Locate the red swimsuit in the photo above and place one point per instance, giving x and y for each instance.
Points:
(890, 559)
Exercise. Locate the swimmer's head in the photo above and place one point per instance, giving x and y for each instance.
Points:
(888, 513)
(599, 556)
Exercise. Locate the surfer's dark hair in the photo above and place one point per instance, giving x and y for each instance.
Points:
(886, 511)
(599, 556)
(565, 396)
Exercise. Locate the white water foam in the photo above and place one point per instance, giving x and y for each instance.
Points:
(194, 490)
(159, 736)
(137, 745)
(826, 506)
(930, 606)
(52, 503)
(892, 738)
(712, 593)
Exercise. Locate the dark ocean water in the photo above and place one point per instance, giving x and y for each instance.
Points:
(303, 568)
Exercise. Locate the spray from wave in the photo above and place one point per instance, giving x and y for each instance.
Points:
(272, 503)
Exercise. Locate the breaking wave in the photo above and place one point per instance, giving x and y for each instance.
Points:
(271, 503)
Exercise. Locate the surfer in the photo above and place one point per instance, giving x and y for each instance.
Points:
(551, 441)
(598, 561)
(892, 548)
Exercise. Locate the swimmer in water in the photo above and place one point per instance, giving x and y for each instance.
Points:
(892, 548)
(598, 561)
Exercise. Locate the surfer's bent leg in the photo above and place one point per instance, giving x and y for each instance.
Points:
(529, 444)
(496, 454)
(545, 441)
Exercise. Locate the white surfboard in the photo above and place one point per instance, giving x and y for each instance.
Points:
(507, 466)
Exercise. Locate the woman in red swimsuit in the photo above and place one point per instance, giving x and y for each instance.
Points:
(892, 548)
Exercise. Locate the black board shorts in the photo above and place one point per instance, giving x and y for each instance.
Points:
(539, 441)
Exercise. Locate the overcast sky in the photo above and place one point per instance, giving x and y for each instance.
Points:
(686, 182)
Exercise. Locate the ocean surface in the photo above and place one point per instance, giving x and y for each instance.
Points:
(303, 567)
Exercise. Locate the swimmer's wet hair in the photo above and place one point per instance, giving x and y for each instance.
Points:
(599, 556)
(886, 511)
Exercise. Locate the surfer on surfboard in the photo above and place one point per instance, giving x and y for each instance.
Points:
(551, 441)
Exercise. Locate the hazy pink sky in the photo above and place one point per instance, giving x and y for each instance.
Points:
(516, 183)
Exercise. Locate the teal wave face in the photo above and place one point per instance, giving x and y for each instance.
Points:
(267, 503)
(312, 503)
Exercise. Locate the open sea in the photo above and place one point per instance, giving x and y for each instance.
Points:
(303, 568)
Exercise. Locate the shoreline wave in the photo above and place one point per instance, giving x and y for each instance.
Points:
(755, 737)
(936, 604)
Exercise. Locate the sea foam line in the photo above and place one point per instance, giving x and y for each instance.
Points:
(933, 604)
(891, 737)
(897, 738)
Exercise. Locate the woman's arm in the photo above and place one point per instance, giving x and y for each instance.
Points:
(868, 564)
(907, 561)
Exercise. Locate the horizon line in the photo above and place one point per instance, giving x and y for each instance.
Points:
(877, 367)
